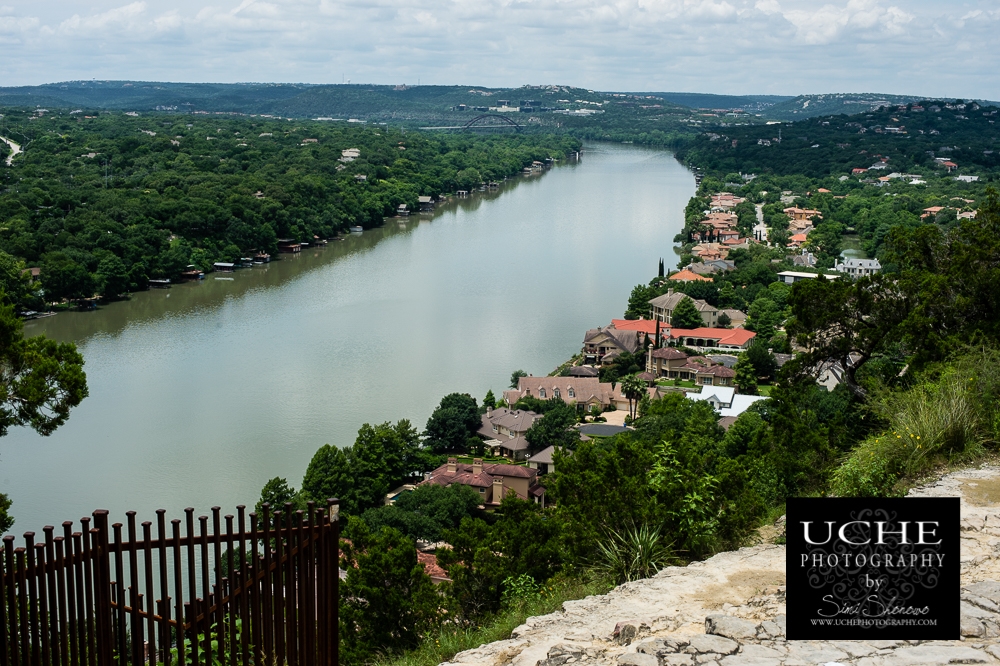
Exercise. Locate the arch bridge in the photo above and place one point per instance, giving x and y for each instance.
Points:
(492, 123)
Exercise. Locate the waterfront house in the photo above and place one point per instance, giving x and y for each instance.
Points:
(493, 481)
(587, 393)
(224, 266)
(670, 363)
(289, 245)
(402, 210)
(603, 345)
(711, 338)
(504, 430)
(662, 307)
(712, 267)
(688, 276)
(426, 203)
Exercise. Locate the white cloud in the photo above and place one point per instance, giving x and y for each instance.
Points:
(738, 46)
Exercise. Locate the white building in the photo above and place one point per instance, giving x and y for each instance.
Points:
(791, 277)
(859, 267)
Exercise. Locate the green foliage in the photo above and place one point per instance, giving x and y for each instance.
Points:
(763, 318)
(490, 400)
(515, 376)
(383, 457)
(6, 520)
(231, 626)
(41, 380)
(686, 315)
(633, 553)
(16, 285)
(428, 510)
(638, 301)
(328, 475)
(553, 429)
(746, 376)
(388, 603)
(724, 320)
(633, 389)
(277, 493)
(196, 190)
(451, 425)
(763, 361)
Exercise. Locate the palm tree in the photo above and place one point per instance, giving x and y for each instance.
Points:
(632, 388)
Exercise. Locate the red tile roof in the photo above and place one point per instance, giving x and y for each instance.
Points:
(432, 568)
(726, 336)
(688, 276)
(647, 326)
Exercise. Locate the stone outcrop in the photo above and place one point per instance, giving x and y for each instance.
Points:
(730, 610)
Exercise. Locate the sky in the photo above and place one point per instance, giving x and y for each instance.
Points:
(785, 47)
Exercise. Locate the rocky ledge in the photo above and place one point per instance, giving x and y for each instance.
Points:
(730, 610)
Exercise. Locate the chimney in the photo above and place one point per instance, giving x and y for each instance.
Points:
(498, 489)
(477, 466)
(452, 465)
(489, 412)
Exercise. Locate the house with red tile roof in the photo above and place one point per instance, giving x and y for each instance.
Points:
(688, 276)
(434, 570)
(493, 481)
(712, 338)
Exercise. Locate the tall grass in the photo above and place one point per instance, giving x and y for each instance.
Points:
(451, 640)
(635, 552)
(951, 417)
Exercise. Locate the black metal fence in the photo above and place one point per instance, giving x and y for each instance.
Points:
(219, 594)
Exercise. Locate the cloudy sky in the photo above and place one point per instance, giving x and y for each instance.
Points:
(924, 47)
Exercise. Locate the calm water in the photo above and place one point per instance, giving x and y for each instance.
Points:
(200, 393)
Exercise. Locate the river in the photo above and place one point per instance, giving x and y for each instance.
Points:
(202, 392)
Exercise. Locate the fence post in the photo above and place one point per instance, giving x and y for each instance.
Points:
(102, 589)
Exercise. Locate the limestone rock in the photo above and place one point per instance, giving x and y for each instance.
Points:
(730, 627)
(638, 659)
(710, 643)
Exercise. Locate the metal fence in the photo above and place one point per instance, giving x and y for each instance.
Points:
(219, 594)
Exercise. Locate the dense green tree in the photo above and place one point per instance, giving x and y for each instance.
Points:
(276, 493)
(41, 380)
(328, 475)
(763, 361)
(554, 428)
(17, 286)
(451, 425)
(112, 277)
(746, 376)
(638, 301)
(427, 511)
(763, 318)
(515, 376)
(388, 601)
(686, 315)
(490, 400)
(383, 457)
(724, 320)
(64, 278)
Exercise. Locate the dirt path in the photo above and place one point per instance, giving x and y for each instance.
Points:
(14, 149)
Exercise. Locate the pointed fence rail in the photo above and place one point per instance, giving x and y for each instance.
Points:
(213, 596)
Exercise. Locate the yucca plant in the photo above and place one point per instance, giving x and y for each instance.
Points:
(635, 552)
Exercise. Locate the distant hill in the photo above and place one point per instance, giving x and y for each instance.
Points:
(810, 106)
(749, 103)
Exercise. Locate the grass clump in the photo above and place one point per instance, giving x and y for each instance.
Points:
(949, 417)
(528, 602)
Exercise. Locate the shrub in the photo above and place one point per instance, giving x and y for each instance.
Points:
(633, 553)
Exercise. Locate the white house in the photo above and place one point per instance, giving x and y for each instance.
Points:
(791, 277)
(859, 267)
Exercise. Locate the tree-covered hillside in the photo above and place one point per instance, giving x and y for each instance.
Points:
(107, 202)
(908, 137)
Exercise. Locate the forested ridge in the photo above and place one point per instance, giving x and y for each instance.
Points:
(104, 203)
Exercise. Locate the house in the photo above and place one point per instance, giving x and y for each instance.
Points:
(791, 277)
(586, 393)
(736, 317)
(543, 460)
(859, 267)
(795, 213)
(688, 276)
(671, 363)
(504, 430)
(725, 400)
(663, 308)
(603, 345)
(797, 240)
(760, 232)
(712, 267)
(493, 481)
(434, 571)
(426, 203)
(967, 179)
(726, 200)
(712, 338)
(804, 259)
(584, 371)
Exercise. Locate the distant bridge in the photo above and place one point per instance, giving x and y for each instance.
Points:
(487, 123)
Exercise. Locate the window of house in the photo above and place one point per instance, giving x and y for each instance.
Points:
(494, 428)
(556, 393)
(706, 380)
(482, 491)
(572, 393)
(541, 393)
